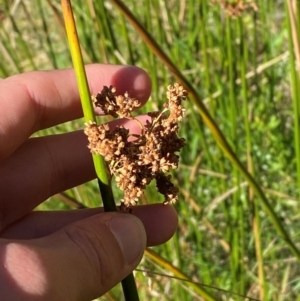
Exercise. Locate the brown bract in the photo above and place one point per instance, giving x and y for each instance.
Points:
(150, 155)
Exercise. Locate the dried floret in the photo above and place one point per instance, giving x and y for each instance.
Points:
(236, 8)
(114, 105)
(135, 163)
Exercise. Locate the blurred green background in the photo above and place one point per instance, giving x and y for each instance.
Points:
(242, 58)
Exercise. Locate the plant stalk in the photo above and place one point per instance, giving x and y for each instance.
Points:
(128, 284)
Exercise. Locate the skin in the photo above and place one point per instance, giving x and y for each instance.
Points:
(64, 255)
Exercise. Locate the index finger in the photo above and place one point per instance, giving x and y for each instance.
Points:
(41, 99)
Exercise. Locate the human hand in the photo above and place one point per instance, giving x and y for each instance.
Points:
(64, 255)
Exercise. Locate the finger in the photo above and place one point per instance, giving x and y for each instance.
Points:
(79, 262)
(41, 99)
(44, 166)
(159, 220)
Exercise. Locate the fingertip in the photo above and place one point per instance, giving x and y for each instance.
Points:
(160, 222)
(131, 79)
(141, 84)
(130, 234)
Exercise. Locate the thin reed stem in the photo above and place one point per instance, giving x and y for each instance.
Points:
(128, 284)
(294, 46)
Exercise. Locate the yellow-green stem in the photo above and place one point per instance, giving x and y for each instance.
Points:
(128, 284)
(177, 273)
(88, 110)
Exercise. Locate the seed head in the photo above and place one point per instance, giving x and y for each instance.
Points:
(135, 163)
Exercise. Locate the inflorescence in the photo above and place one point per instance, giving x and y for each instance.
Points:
(236, 8)
(135, 160)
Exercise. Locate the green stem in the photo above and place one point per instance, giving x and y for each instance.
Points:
(87, 106)
(129, 287)
(294, 48)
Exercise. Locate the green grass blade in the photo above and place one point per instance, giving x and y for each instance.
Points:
(177, 273)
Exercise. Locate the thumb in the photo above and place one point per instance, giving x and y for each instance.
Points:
(79, 262)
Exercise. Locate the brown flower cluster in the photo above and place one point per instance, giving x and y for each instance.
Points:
(135, 160)
(236, 8)
(116, 106)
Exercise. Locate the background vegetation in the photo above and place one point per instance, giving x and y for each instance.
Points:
(243, 63)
